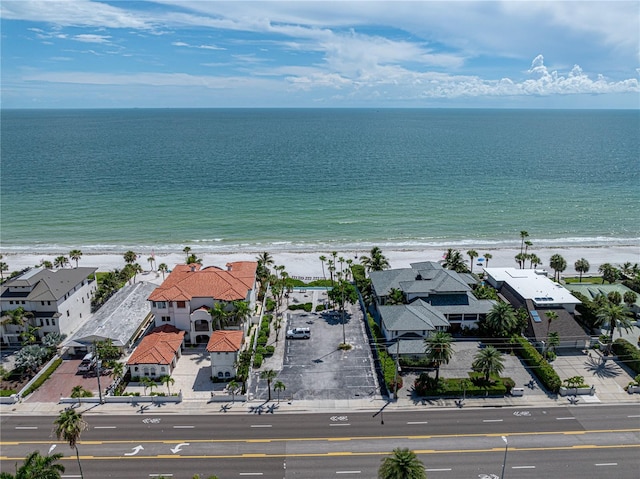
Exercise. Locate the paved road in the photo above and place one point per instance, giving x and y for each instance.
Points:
(454, 443)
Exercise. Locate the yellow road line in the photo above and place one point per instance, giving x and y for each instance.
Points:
(309, 439)
(334, 454)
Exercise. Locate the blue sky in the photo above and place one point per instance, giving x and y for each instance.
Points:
(183, 53)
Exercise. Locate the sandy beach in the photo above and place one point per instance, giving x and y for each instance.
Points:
(308, 265)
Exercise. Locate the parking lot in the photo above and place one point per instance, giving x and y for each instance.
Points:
(315, 368)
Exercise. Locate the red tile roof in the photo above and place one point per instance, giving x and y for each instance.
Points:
(158, 347)
(189, 281)
(225, 341)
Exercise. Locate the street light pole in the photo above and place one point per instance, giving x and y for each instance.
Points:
(506, 448)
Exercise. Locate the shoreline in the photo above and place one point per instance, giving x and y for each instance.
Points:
(307, 263)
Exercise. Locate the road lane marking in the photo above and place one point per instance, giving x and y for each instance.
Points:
(183, 427)
(104, 427)
(26, 427)
(438, 470)
(417, 422)
(159, 475)
(564, 418)
(635, 415)
(261, 425)
(523, 467)
(348, 472)
(607, 464)
(251, 474)
(340, 424)
(492, 420)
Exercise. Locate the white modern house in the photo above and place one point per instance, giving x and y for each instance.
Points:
(57, 300)
(224, 348)
(533, 290)
(187, 295)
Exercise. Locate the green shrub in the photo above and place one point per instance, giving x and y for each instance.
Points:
(475, 385)
(262, 339)
(304, 306)
(270, 304)
(538, 365)
(7, 392)
(270, 350)
(257, 360)
(627, 353)
(44, 377)
(320, 307)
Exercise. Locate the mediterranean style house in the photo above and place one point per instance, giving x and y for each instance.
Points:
(433, 299)
(188, 294)
(157, 354)
(224, 348)
(55, 301)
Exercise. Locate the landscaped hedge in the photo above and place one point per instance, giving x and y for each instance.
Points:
(475, 385)
(305, 306)
(627, 353)
(44, 376)
(7, 392)
(257, 360)
(539, 366)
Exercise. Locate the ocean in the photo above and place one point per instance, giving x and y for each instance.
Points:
(233, 180)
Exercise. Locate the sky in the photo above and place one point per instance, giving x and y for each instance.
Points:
(326, 54)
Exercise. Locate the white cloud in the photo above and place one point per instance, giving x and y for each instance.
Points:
(202, 46)
(91, 38)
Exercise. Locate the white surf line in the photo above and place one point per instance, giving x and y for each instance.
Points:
(523, 467)
(417, 422)
(492, 420)
(261, 425)
(26, 427)
(183, 427)
(607, 464)
(564, 418)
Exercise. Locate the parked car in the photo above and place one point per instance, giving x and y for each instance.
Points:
(87, 364)
(299, 333)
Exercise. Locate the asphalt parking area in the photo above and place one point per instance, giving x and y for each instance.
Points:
(316, 369)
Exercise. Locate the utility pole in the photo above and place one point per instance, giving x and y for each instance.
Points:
(506, 448)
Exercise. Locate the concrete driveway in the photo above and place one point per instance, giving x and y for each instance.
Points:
(315, 369)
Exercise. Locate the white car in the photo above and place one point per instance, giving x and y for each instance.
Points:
(299, 333)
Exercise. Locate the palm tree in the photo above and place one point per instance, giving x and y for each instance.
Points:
(241, 311)
(551, 316)
(18, 316)
(75, 255)
(186, 250)
(163, 268)
(232, 387)
(523, 235)
(402, 464)
(117, 369)
(60, 262)
(553, 340)
(167, 381)
(472, 255)
(527, 245)
(534, 261)
(438, 349)
(68, 427)
(521, 258)
(581, 266)
(265, 259)
(323, 259)
(136, 270)
(193, 259)
(616, 316)
(615, 297)
(487, 257)
(558, 264)
(629, 298)
(454, 261)
(37, 466)
(149, 383)
(609, 273)
(279, 386)
(3, 267)
(488, 361)
(151, 261)
(269, 375)
(395, 296)
(376, 261)
(501, 320)
(219, 314)
(130, 257)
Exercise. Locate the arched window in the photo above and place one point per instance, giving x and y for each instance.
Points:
(220, 374)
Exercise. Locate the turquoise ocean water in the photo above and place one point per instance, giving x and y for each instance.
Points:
(317, 179)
